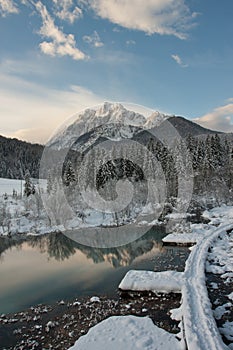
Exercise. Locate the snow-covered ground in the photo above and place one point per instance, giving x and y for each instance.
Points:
(28, 215)
(20, 214)
(8, 185)
(217, 216)
(220, 262)
(201, 331)
(162, 282)
(213, 253)
(127, 332)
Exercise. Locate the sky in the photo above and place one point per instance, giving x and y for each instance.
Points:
(58, 57)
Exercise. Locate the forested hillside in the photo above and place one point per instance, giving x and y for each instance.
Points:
(16, 157)
(209, 156)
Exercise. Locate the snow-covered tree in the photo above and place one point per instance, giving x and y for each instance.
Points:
(28, 187)
(69, 174)
(49, 183)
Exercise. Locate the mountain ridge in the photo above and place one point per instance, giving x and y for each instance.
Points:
(19, 156)
(116, 116)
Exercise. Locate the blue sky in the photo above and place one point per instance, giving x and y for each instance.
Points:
(60, 56)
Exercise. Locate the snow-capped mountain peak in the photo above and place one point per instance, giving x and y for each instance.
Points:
(155, 119)
(107, 113)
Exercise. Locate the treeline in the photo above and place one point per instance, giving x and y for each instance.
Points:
(17, 157)
(208, 160)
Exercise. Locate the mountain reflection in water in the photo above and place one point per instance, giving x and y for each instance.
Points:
(59, 247)
(52, 267)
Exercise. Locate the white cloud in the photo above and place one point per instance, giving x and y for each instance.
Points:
(33, 112)
(7, 7)
(60, 44)
(93, 40)
(66, 10)
(220, 119)
(179, 61)
(170, 17)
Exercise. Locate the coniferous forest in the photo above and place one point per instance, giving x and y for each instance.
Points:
(210, 158)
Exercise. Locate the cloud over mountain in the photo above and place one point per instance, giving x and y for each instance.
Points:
(218, 119)
(165, 17)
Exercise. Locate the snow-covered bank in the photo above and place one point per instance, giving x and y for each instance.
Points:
(162, 282)
(182, 238)
(59, 325)
(7, 186)
(219, 259)
(213, 252)
(220, 262)
(127, 332)
(43, 212)
(216, 216)
(197, 232)
(201, 331)
(22, 214)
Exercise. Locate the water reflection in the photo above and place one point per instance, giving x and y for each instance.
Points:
(55, 245)
(59, 247)
(44, 269)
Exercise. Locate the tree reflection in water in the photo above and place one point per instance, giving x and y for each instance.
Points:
(8, 243)
(59, 247)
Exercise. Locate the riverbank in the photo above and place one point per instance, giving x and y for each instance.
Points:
(58, 326)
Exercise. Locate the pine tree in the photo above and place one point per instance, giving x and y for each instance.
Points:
(217, 151)
(33, 189)
(208, 158)
(192, 145)
(49, 183)
(27, 185)
(69, 175)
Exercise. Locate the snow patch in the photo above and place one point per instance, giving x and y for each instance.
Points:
(162, 282)
(127, 332)
(227, 331)
(221, 310)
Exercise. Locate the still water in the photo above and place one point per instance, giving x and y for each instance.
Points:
(45, 269)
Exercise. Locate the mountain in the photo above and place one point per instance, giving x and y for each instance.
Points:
(108, 116)
(114, 132)
(187, 127)
(155, 119)
(112, 121)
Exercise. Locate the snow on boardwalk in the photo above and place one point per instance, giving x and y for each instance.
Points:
(163, 282)
(200, 328)
(127, 332)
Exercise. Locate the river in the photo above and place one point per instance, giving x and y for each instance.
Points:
(52, 267)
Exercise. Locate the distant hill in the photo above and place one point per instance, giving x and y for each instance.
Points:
(16, 157)
(186, 127)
